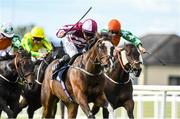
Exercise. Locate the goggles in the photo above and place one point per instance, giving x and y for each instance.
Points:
(36, 39)
(114, 32)
(89, 34)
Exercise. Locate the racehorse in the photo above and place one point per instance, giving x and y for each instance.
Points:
(83, 82)
(13, 74)
(118, 88)
(31, 97)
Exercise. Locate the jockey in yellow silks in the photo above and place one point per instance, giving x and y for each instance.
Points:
(36, 43)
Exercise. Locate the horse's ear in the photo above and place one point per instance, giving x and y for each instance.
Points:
(53, 46)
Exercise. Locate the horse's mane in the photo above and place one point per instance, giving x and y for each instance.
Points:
(98, 36)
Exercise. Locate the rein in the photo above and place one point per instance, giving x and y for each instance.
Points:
(39, 68)
(116, 81)
(4, 78)
(92, 61)
(121, 63)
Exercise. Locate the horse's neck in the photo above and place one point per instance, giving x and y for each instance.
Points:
(119, 74)
(89, 58)
(40, 71)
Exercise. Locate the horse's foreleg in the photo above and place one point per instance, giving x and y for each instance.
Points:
(49, 108)
(8, 111)
(30, 112)
(4, 107)
(82, 100)
(102, 102)
(105, 113)
(129, 106)
(72, 109)
(23, 103)
(95, 109)
(62, 107)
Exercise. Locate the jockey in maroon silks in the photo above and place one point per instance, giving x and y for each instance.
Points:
(76, 37)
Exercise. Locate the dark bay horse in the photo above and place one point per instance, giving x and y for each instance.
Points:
(84, 82)
(13, 73)
(118, 88)
(31, 97)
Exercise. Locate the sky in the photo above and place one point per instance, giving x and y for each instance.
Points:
(141, 17)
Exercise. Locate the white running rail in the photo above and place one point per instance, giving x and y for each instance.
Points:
(159, 95)
(142, 93)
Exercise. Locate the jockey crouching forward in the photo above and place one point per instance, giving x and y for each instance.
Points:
(77, 38)
(36, 43)
(6, 36)
(114, 28)
(39, 46)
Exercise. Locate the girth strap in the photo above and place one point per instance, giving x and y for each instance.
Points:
(64, 89)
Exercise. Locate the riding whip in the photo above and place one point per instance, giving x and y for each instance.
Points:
(79, 20)
(156, 58)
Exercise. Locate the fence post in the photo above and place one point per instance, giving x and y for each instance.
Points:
(140, 107)
(174, 107)
(163, 105)
(156, 107)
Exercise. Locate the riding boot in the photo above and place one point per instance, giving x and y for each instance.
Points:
(65, 59)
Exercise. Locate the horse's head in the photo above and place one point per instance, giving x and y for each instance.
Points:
(25, 67)
(105, 52)
(58, 51)
(134, 59)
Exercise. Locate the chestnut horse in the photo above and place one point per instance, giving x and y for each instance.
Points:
(118, 88)
(84, 82)
(13, 74)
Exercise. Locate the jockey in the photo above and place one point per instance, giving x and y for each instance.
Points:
(77, 38)
(114, 27)
(36, 43)
(6, 36)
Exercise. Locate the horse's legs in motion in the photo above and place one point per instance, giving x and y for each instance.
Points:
(105, 113)
(95, 109)
(129, 106)
(62, 107)
(0, 113)
(23, 103)
(72, 109)
(6, 109)
(102, 102)
(49, 107)
(30, 112)
(84, 105)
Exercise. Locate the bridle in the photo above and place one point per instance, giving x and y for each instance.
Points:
(94, 61)
(19, 70)
(129, 70)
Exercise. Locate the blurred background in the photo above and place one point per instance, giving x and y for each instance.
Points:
(155, 22)
(138, 16)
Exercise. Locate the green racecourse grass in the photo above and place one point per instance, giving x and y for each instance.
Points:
(148, 112)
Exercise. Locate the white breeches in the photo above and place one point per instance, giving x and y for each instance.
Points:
(69, 47)
(7, 50)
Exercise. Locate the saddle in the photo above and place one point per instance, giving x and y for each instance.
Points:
(59, 73)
